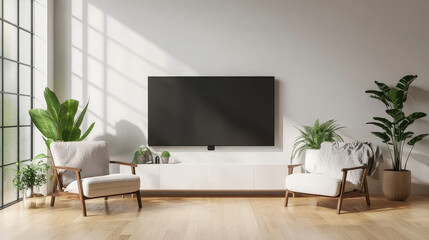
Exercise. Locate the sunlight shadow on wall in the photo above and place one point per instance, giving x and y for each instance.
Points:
(110, 64)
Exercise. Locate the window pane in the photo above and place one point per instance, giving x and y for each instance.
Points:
(24, 106)
(24, 47)
(1, 40)
(10, 76)
(1, 147)
(1, 112)
(10, 109)
(9, 191)
(25, 14)
(10, 41)
(10, 145)
(11, 10)
(24, 79)
(1, 185)
(24, 143)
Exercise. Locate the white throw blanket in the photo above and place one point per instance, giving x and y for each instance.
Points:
(337, 155)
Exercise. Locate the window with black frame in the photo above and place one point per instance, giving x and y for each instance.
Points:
(16, 78)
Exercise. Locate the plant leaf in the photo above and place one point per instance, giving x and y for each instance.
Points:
(44, 122)
(397, 115)
(416, 139)
(87, 132)
(396, 97)
(41, 156)
(386, 122)
(71, 134)
(383, 87)
(405, 82)
(68, 111)
(52, 103)
(382, 135)
(81, 116)
(381, 125)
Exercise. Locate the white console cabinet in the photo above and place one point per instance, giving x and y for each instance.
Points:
(216, 176)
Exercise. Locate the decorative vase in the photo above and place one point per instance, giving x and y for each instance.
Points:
(311, 158)
(396, 185)
(165, 160)
(33, 199)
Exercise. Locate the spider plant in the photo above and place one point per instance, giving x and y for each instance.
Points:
(395, 133)
(313, 136)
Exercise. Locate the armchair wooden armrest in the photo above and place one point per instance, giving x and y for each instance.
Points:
(124, 163)
(132, 165)
(67, 168)
(354, 168)
(291, 167)
(363, 183)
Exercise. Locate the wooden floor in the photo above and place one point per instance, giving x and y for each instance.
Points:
(220, 218)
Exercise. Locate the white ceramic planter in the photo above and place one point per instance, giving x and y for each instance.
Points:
(311, 158)
(165, 160)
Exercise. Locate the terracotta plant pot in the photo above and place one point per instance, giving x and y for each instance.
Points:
(396, 185)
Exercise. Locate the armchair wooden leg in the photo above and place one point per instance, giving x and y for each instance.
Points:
(82, 202)
(339, 204)
(52, 200)
(81, 196)
(365, 185)
(54, 189)
(105, 198)
(286, 197)
(139, 199)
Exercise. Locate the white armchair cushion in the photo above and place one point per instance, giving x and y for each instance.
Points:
(106, 185)
(91, 157)
(317, 184)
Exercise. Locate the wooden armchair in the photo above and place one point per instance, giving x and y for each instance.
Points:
(95, 183)
(313, 184)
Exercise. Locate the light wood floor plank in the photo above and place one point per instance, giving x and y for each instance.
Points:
(220, 218)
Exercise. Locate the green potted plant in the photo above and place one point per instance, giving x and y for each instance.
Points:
(143, 155)
(311, 138)
(396, 182)
(29, 178)
(57, 122)
(165, 155)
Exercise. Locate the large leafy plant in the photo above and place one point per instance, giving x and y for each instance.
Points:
(58, 122)
(395, 133)
(313, 136)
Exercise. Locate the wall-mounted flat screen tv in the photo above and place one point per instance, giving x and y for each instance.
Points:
(211, 111)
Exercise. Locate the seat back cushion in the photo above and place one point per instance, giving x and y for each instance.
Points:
(336, 156)
(91, 157)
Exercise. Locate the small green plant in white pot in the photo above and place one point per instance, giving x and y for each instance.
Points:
(165, 156)
(29, 178)
(311, 138)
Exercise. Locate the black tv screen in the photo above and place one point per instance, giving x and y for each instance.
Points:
(211, 111)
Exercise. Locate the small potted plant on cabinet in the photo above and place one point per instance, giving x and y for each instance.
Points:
(29, 178)
(143, 155)
(396, 182)
(311, 138)
(165, 155)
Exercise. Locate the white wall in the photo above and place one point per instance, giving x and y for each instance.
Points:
(43, 59)
(324, 55)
